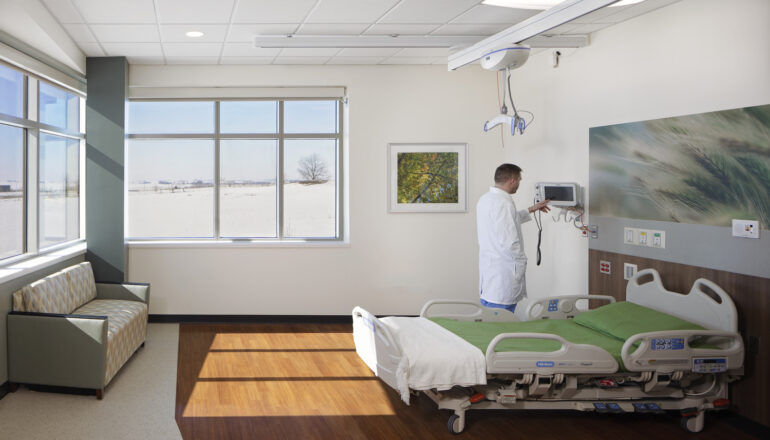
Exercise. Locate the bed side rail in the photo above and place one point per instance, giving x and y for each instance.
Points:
(376, 346)
(478, 314)
(559, 307)
(667, 351)
(705, 304)
(568, 359)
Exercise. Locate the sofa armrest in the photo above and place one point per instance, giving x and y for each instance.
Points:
(59, 350)
(125, 291)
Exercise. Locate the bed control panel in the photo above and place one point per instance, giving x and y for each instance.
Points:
(667, 344)
(709, 365)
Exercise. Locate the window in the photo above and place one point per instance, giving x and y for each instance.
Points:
(40, 153)
(234, 169)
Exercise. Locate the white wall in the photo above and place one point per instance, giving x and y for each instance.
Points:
(394, 262)
(691, 57)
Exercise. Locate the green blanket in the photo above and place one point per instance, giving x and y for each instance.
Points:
(607, 327)
(481, 334)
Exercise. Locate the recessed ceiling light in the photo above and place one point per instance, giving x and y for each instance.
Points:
(542, 4)
(194, 34)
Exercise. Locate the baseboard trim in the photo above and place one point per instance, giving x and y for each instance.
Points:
(251, 319)
(747, 425)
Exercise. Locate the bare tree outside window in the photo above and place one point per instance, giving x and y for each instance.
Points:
(313, 169)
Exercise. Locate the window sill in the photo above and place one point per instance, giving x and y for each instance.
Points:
(41, 261)
(224, 244)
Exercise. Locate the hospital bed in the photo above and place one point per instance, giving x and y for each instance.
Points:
(659, 350)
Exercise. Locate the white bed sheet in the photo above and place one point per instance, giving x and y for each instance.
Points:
(433, 357)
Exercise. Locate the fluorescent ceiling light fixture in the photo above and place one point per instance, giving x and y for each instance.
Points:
(194, 34)
(362, 41)
(542, 4)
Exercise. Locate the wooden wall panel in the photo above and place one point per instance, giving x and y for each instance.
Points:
(751, 395)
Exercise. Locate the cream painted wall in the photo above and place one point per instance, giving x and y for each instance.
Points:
(691, 57)
(394, 262)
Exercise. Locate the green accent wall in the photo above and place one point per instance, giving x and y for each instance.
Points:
(105, 166)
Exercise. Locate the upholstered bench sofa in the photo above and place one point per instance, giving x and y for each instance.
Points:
(67, 330)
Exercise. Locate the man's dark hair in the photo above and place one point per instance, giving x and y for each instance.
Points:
(505, 171)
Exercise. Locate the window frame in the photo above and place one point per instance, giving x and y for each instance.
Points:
(280, 136)
(32, 131)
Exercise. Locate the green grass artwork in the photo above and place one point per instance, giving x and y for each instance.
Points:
(707, 168)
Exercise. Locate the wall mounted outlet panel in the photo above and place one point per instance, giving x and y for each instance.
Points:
(745, 228)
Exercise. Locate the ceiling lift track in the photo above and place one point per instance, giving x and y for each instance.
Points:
(532, 27)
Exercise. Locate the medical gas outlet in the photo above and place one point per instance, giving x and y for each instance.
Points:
(644, 237)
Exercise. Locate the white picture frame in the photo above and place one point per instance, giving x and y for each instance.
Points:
(439, 186)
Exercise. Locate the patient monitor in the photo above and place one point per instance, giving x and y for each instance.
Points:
(558, 193)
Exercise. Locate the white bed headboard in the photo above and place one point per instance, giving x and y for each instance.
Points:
(697, 306)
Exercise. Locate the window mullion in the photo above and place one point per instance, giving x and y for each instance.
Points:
(32, 199)
(279, 174)
(217, 233)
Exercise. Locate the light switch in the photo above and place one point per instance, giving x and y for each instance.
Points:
(628, 235)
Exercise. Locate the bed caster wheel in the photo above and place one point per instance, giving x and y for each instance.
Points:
(693, 424)
(456, 424)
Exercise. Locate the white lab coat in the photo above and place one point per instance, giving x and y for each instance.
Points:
(502, 262)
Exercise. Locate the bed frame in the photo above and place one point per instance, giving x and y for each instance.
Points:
(655, 381)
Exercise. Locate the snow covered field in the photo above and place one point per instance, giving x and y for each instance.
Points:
(246, 211)
(59, 223)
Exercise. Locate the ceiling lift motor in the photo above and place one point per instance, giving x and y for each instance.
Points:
(506, 59)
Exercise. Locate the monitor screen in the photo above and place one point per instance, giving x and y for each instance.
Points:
(559, 193)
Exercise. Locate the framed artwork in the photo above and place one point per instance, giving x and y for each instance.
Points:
(427, 177)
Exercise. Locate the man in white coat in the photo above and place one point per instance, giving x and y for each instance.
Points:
(502, 262)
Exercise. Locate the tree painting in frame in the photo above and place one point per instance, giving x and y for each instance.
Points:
(427, 177)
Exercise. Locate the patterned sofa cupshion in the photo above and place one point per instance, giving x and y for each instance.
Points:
(67, 330)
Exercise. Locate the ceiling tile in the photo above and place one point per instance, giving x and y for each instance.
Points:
(423, 52)
(471, 29)
(427, 11)
(272, 11)
(300, 60)
(63, 11)
(332, 29)
(126, 33)
(410, 60)
(242, 33)
(400, 29)
(349, 11)
(194, 11)
(248, 50)
(495, 15)
(133, 49)
(146, 60)
(192, 49)
(91, 49)
(355, 60)
(369, 51)
(101, 11)
(192, 60)
(246, 60)
(175, 33)
(80, 33)
(309, 52)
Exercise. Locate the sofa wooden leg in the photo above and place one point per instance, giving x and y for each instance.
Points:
(12, 387)
(100, 394)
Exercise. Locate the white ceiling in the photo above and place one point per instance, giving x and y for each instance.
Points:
(153, 31)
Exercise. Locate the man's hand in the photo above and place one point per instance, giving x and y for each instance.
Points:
(542, 206)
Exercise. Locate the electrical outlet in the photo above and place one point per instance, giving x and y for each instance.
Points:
(629, 270)
(658, 239)
(605, 267)
(643, 237)
(628, 235)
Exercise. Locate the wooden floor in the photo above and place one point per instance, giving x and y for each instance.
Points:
(306, 382)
